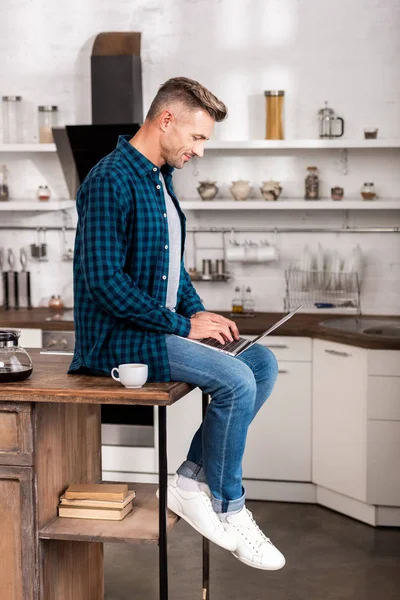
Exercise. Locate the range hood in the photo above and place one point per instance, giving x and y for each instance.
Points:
(117, 107)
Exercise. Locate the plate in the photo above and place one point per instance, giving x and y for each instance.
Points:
(335, 271)
(305, 267)
(320, 267)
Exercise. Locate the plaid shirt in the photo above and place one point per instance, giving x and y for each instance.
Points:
(121, 267)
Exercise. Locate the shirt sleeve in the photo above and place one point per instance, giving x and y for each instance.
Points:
(103, 252)
(190, 302)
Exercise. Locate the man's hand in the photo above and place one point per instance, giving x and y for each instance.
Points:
(206, 324)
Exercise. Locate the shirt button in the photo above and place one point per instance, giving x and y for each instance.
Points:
(165, 214)
(164, 277)
(158, 187)
(154, 168)
(166, 247)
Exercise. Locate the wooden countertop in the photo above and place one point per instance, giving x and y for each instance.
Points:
(49, 382)
(302, 324)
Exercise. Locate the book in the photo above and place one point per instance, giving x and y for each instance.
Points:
(97, 491)
(98, 503)
(108, 514)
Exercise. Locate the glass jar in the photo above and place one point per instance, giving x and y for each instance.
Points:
(48, 118)
(368, 191)
(4, 193)
(43, 193)
(56, 302)
(12, 119)
(15, 362)
(248, 302)
(237, 302)
(274, 114)
(312, 184)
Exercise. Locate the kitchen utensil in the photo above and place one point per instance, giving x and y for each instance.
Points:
(68, 253)
(220, 268)
(131, 375)
(15, 362)
(207, 272)
(337, 193)
(11, 264)
(23, 258)
(207, 190)
(327, 122)
(368, 191)
(56, 302)
(5, 280)
(251, 251)
(4, 191)
(39, 249)
(271, 190)
(240, 190)
(274, 100)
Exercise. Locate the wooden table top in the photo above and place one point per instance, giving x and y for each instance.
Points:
(49, 382)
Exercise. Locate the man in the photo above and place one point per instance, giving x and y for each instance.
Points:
(134, 302)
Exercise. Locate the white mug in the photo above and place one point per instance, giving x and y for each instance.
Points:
(235, 252)
(267, 253)
(131, 375)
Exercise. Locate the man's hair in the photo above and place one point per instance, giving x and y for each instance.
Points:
(191, 94)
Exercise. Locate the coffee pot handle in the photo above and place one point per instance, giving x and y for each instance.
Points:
(342, 124)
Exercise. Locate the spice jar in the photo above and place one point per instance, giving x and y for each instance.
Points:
(4, 195)
(12, 119)
(368, 191)
(48, 118)
(237, 302)
(337, 193)
(43, 193)
(56, 302)
(274, 114)
(312, 184)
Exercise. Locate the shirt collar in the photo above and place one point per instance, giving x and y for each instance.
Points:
(140, 164)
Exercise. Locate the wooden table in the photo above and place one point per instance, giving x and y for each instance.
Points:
(50, 437)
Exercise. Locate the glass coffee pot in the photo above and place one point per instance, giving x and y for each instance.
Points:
(327, 123)
(15, 362)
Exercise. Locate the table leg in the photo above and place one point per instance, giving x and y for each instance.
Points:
(206, 542)
(162, 474)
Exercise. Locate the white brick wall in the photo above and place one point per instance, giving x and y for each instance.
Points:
(346, 53)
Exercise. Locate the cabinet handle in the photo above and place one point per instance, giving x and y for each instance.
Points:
(337, 352)
(283, 371)
(276, 346)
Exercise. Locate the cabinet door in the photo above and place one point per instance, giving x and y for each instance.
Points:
(279, 439)
(340, 418)
(183, 420)
(17, 550)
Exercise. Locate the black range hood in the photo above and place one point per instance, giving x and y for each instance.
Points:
(117, 108)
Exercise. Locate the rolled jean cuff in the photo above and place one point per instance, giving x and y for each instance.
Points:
(225, 506)
(192, 471)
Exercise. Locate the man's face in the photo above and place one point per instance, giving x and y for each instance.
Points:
(184, 135)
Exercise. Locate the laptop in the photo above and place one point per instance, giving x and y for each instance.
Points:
(238, 346)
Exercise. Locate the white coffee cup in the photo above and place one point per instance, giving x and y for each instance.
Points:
(131, 375)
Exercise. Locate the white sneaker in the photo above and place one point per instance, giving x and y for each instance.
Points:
(196, 509)
(253, 547)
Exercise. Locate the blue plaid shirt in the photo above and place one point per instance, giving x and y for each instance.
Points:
(121, 267)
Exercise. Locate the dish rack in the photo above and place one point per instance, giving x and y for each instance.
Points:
(322, 290)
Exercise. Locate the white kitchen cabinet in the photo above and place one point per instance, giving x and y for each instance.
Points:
(339, 418)
(30, 338)
(278, 444)
(383, 459)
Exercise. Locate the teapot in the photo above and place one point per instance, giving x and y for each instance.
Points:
(15, 362)
(240, 190)
(207, 190)
(271, 190)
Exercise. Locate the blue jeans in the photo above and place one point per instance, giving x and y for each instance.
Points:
(238, 386)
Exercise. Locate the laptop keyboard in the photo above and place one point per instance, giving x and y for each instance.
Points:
(229, 346)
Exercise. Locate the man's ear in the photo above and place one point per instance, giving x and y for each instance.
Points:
(166, 118)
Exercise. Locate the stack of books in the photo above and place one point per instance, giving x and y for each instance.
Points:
(96, 501)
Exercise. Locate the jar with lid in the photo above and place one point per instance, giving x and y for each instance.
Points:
(12, 119)
(15, 362)
(4, 193)
(368, 191)
(43, 193)
(56, 302)
(248, 303)
(312, 184)
(237, 302)
(48, 118)
(274, 114)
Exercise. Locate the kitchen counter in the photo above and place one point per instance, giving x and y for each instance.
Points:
(302, 324)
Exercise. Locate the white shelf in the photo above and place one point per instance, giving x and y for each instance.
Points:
(291, 204)
(34, 205)
(338, 143)
(27, 147)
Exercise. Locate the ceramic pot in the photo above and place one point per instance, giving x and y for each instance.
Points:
(207, 190)
(271, 190)
(240, 190)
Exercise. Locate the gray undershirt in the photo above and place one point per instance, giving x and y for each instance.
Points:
(174, 235)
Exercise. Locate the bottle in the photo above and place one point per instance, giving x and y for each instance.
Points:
(4, 193)
(312, 184)
(248, 302)
(237, 302)
(274, 114)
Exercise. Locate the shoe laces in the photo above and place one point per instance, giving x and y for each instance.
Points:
(251, 531)
(212, 511)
